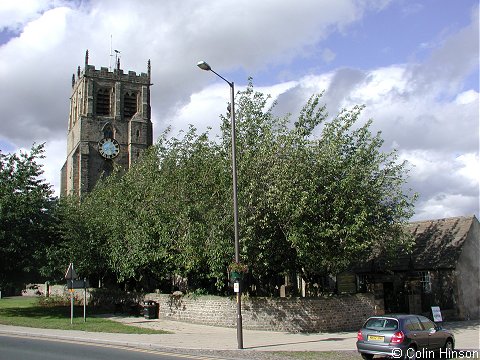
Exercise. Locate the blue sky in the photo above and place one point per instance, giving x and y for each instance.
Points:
(403, 31)
(414, 64)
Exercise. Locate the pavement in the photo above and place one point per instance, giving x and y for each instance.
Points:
(201, 337)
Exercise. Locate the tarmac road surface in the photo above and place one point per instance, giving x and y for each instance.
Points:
(21, 348)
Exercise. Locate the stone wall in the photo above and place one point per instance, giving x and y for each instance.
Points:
(467, 275)
(54, 290)
(336, 313)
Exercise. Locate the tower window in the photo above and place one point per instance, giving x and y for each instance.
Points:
(130, 104)
(108, 131)
(103, 102)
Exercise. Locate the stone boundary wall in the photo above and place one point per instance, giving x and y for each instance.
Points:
(41, 289)
(54, 290)
(336, 313)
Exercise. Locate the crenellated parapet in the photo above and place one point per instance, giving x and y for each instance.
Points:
(116, 75)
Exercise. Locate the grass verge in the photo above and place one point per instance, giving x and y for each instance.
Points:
(25, 311)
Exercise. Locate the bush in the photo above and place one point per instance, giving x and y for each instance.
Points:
(56, 300)
(109, 298)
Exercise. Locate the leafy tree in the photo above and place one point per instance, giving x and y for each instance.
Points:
(26, 216)
(262, 142)
(348, 202)
(195, 189)
(79, 241)
(315, 204)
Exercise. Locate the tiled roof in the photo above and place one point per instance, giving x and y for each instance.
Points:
(438, 243)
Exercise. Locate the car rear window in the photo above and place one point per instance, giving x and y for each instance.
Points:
(381, 324)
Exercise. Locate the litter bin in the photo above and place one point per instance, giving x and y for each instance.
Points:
(150, 309)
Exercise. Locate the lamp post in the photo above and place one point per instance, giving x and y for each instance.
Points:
(204, 66)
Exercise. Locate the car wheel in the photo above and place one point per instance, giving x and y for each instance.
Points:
(448, 345)
(448, 348)
(367, 356)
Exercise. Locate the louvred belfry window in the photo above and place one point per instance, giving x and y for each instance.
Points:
(130, 104)
(103, 102)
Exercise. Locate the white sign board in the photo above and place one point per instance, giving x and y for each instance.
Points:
(437, 314)
(236, 286)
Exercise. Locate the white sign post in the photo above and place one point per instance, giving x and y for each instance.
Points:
(437, 314)
(70, 275)
(84, 300)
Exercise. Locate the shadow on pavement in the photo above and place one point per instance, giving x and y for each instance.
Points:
(294, 343)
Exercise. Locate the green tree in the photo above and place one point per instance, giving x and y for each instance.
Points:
(193, 191)
(26, 216)
(348, 202)
(313, 203)
(263, 140)
(79, 240)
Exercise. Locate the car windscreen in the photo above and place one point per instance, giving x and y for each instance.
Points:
(381, 324)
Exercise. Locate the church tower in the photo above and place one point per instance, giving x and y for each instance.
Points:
(109, 123)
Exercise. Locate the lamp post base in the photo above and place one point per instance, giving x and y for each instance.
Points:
(239, 321)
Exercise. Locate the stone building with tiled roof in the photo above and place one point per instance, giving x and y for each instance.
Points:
(443, 269)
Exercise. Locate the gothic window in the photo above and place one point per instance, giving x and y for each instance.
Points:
(108, 131)
(138, 135)
(129, 104)
(103, 102)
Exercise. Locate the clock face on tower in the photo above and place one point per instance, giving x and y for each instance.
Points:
(108, 148)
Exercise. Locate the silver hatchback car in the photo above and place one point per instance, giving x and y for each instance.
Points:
(403, 337)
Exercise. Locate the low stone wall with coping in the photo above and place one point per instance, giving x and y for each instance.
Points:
(329, 314)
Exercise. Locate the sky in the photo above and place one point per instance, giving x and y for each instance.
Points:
(414, 64)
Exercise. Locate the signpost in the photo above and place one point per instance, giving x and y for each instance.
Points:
(437, 314)
(72, 284)
(70, 275)
(77, 284)
(80, 284)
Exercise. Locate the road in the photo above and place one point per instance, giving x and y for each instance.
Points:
(22, 348)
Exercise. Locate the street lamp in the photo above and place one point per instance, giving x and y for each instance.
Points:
(204, 66)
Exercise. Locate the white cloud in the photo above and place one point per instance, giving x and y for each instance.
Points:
(14, 14)
(446, 205)
(469, 168)
(448, 185)
(53, 162)
(467, 97)
(45, 33)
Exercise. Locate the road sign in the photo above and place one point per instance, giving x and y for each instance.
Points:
(70, 274)
(77, 284)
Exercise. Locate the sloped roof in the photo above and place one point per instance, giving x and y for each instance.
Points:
(438, 243)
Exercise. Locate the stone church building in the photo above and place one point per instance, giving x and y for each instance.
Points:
(109, 124)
